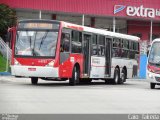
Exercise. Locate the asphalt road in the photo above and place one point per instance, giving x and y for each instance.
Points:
(18, 96)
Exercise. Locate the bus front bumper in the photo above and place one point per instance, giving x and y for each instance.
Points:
(153, 77)
(34, 71)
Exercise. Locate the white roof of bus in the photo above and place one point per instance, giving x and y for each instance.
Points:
(156, 40)
(104, 32)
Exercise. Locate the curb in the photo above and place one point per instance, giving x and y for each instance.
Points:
(5, 74)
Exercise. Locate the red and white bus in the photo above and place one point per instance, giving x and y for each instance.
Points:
(57, 50)
(153, 64)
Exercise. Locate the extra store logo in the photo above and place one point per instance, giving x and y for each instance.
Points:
(118, 8)
(137, 11)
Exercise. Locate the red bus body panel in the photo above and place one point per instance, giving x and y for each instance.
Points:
(65, 69)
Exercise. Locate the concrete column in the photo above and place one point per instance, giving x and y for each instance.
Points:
(151, 29)
(83, 20)
(114, 24)
(40, 14)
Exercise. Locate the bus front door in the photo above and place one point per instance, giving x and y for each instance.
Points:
(86, 53)
(108, 56)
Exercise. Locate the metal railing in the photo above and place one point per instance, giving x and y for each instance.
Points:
(5, 50)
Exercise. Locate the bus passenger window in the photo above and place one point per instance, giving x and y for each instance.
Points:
(65, 42)
(117, 51)
(101, 46)
(94, 45)
(125, 48)
(134, 49)
(76, 42)
(94, 50)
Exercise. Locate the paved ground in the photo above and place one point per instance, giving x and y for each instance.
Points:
(17, 95)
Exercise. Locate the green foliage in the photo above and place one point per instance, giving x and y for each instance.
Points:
(2, 64)
(7, 19)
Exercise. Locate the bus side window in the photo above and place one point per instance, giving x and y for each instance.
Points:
(101, 46)
(125, 48)
(117, 52)
(9, 38)
(76, 42)
(65, 42)
(133, 49)
(94, 44)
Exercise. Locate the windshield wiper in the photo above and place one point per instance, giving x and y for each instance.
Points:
(34, 45)
(43, 39)
(30, 41)
(155, 63)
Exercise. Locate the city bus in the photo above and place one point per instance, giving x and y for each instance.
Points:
(58, 50)
(153, 64)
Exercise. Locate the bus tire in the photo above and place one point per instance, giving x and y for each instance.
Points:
(34, 80)
(116, 76)
(123, 77)
(152, 85)
(75, 76)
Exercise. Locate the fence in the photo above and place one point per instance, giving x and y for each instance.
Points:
(5, 50)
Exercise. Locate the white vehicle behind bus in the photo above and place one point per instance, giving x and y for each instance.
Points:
(153, 64)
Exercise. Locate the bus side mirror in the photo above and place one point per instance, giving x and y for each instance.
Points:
(148, 49)
(147, 53)
(8, 37)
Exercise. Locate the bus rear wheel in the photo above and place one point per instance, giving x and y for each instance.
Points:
(152, 85)
(75, 76)
(34, 80)
(116, 76)
(123, 77)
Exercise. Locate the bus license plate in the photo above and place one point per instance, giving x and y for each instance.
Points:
(31, 69)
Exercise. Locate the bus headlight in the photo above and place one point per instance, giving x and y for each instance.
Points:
(16, 62)
(150, 75)
(51, 64)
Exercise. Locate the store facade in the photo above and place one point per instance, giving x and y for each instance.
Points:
(135, 17)
(138, 17)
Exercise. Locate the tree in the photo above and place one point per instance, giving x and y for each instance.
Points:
(7, 19)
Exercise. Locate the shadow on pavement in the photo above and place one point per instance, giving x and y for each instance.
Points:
(66, 84)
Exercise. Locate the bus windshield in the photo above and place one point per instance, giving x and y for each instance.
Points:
(36, 43)
(154, 56)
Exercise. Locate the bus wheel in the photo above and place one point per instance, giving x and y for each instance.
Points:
(152, 85)
(75, 76)
(116, 76)
(34, 80)
(123, 77)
